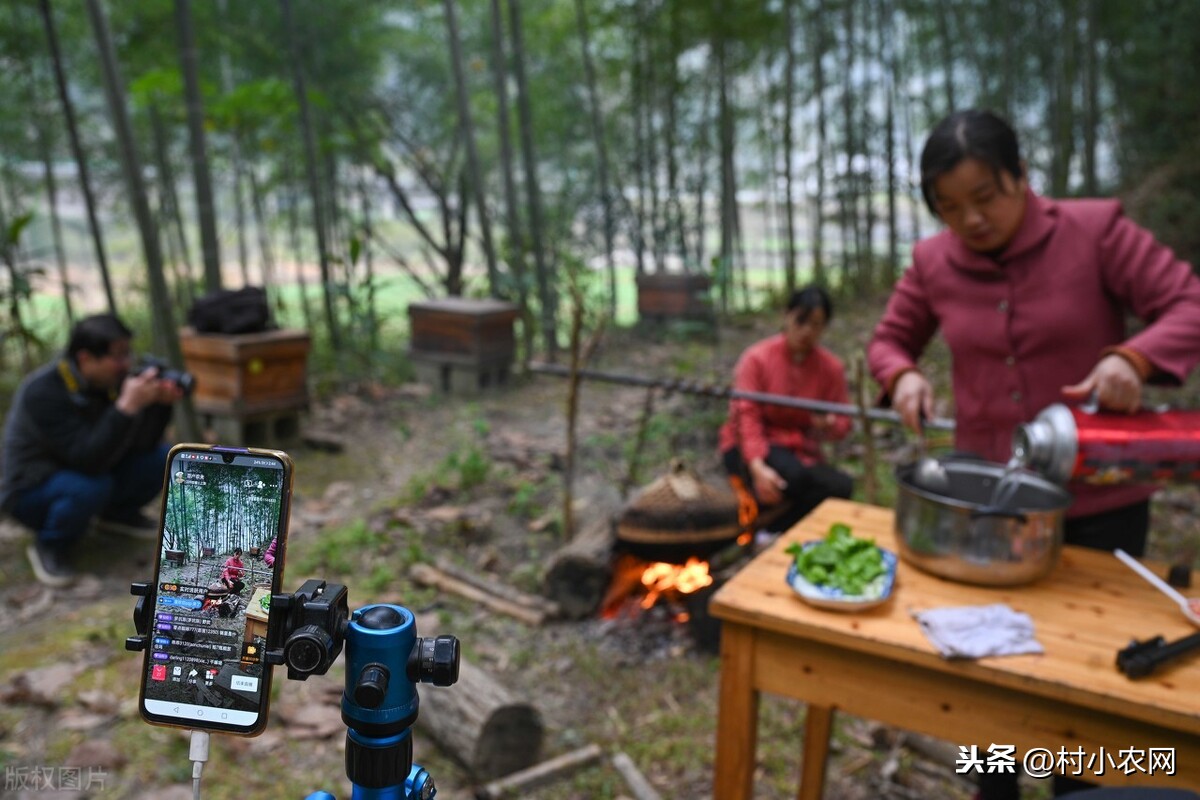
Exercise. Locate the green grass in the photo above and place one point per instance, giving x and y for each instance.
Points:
(335, 552)
(466, 466)
(528, 500)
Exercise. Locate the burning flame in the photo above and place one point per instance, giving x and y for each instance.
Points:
(661, 577)
(747, 505)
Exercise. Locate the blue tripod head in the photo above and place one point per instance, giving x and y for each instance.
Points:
(385, 660)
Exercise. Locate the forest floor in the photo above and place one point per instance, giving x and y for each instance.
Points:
(478, 483)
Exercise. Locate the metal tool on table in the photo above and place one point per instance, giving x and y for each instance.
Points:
(1188, 607)
(1140, 659)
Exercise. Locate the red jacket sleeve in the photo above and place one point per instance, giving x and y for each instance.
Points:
(1159, 288)
(906, 327)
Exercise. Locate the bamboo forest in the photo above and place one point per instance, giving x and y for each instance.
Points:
(600, 399)
(353, 156)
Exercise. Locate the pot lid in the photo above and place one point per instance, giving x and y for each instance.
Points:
(679, 507)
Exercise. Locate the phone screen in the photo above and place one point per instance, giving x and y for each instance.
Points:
(224, 520)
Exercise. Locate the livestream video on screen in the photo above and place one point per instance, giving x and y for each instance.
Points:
(209, 625)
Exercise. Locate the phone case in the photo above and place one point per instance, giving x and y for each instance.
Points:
(210, 606)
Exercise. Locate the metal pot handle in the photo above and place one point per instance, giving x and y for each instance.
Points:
(997, 511)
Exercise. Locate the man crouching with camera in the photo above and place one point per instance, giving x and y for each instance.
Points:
(83, 439)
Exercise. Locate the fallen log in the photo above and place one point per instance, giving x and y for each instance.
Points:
(486, 583)
(541, 774)
(481, 724)
(430, 575)
(577, 575)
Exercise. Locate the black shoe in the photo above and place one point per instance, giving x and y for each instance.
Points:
(135, 525)
(50, 565)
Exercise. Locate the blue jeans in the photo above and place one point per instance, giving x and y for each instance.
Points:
(60, 507)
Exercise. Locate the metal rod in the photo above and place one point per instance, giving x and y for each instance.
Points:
(695, 387)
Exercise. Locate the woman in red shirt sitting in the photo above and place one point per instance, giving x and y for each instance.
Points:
(231, 576)
(778, 448)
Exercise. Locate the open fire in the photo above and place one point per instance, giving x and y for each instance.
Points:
(676, 540)
(661, 578)
(639, 585)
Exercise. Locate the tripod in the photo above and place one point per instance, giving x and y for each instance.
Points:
(385, 660)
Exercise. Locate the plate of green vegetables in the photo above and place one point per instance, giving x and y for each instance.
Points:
(842, 571)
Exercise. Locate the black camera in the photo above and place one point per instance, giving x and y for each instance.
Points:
(306, 629)
(181, 378)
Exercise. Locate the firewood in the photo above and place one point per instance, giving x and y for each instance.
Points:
(481, 724)
(578, 574)
(541, 774)
(430, 575)
(492, 586)
(634, 779)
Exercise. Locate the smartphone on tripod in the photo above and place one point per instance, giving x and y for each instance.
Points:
(221, 548)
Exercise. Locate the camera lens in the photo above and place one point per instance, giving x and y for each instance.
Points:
(185, 380)
(308, 650)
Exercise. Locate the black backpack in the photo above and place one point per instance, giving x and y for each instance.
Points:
(231, 311)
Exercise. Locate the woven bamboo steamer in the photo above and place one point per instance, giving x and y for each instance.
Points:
(679, 508)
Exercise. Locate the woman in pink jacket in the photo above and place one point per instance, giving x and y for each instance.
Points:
(232, 574)
(1031, 295)
(776, 448)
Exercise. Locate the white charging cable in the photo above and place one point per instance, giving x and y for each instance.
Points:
(198, 754)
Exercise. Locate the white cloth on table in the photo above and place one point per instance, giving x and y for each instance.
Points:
(978, 631)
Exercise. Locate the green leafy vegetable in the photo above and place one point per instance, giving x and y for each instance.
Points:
(840, 560)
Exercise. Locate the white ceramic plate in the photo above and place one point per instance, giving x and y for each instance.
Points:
(877, 592)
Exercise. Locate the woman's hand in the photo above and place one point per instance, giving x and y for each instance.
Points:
(768, 484)
(912, 396)
(1115, 383)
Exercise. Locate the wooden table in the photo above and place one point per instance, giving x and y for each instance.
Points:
(877, 664)
(256, 618)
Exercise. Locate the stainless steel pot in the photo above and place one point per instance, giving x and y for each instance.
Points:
(957, 534)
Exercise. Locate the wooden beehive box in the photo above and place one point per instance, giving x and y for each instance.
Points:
(247, 373)
(475, 331)
(673, 295)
